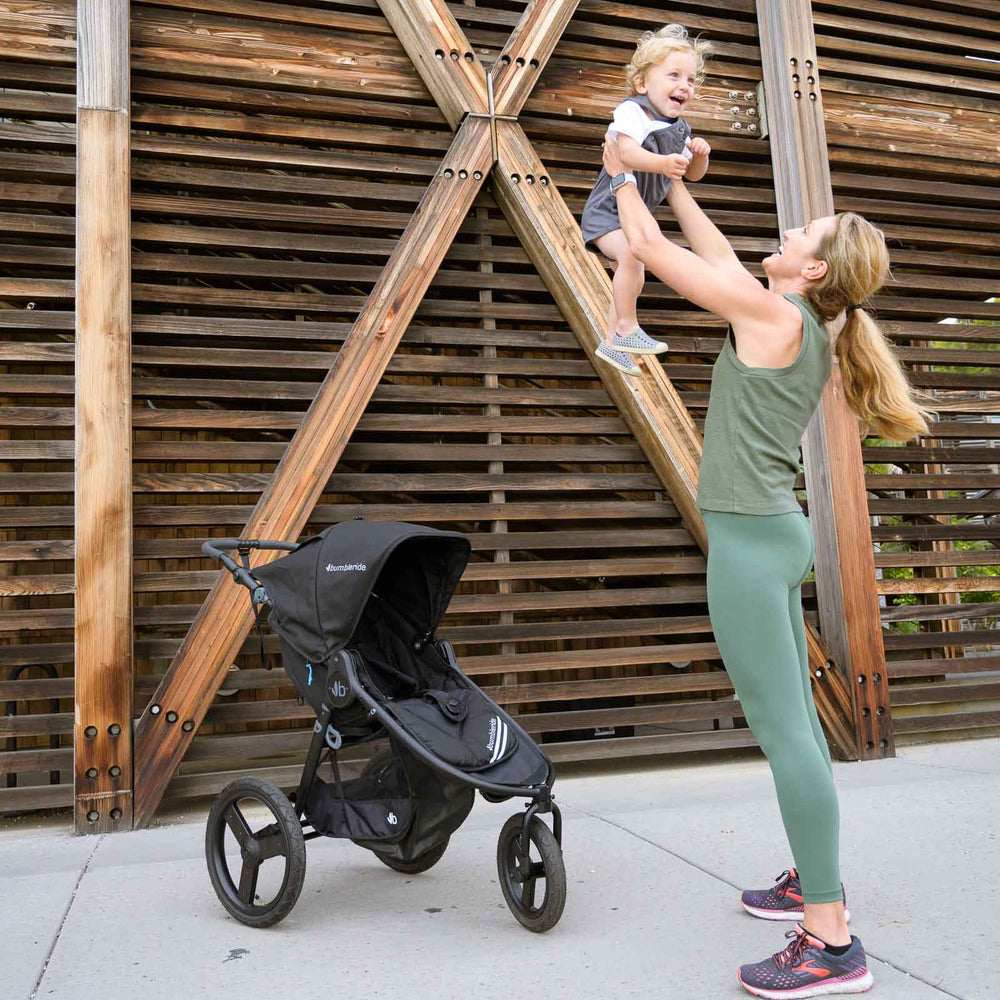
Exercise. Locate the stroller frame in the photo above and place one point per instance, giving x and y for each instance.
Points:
(344, 688)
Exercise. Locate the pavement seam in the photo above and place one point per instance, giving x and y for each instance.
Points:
(62, 923)
(725, 881)
(947, 767)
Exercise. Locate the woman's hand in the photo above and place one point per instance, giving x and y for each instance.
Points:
(612, 155)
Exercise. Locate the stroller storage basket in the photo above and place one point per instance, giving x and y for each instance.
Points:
(374, 806)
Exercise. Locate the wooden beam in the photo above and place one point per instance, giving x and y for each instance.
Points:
(838, 506)
(528, 49)
(103, 449)
(169, 723)
(442, 55)
(649, 403)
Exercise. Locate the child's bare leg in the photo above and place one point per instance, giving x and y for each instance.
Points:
(612, 324)
(627, 283)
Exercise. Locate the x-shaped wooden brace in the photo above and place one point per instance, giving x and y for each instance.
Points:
(489, 142)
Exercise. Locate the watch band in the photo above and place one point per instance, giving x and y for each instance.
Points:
(620, 180)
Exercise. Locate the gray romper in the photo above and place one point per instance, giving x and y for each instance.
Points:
(600, 214)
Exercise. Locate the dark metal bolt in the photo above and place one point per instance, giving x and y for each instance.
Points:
(171, 716)
(155, 709)
(93, 816)
(114, 729)
(91, 773)
(116, 813)
(187, 725)
(115, 771)
(90, 732)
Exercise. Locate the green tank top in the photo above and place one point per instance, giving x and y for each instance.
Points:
(755, 422)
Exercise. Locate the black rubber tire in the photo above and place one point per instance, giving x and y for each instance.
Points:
(534, 918)
(292, 845)
(419, 864)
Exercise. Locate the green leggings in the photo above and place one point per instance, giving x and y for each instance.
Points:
(756, 565)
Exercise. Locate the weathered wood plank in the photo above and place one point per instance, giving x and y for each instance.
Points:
(442, 55)
(844, 565)
(103, 477)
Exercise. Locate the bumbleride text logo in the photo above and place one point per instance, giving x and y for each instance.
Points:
(346, 568)
(493, 733)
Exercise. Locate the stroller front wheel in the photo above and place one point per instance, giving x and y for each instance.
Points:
(520, 883)
(230, 836)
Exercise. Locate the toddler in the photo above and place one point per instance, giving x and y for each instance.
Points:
(656, 143)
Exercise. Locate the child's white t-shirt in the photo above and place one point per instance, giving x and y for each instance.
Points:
(629, 119)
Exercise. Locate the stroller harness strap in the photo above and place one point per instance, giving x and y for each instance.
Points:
(453, 704)
(460, 726)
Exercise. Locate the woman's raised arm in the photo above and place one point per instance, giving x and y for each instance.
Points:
(702, 234)
(730, 292)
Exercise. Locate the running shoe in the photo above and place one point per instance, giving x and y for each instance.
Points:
(782, 901)
(619, 359)
(638, 342)
(807, 969)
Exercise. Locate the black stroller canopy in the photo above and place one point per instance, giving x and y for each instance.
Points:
(319, 591)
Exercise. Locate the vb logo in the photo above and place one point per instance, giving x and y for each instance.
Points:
(391, 819)
(339, 689)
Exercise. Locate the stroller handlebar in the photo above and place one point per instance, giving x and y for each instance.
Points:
(217, 548)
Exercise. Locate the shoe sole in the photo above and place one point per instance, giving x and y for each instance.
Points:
(783, 914)
(614, 364)
(860, 985)
(659, 349)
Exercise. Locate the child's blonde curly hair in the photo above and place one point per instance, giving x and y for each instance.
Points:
(655, 46)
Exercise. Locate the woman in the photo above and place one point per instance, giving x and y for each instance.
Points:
(766, 384)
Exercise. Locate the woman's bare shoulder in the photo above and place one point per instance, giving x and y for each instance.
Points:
(770, 340)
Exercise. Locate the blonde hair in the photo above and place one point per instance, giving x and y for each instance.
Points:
(655, 46)
(875, 384)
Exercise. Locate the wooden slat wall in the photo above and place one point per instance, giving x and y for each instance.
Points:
(912, 104)
(37, 181)
(277, 155)
(278, 152)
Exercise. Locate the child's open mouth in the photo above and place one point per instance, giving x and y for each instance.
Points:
(678, 102)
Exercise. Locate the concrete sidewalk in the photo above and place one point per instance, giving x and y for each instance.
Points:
(654, 855)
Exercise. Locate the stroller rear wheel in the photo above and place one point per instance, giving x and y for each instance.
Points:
(520, 883)
(237, 810)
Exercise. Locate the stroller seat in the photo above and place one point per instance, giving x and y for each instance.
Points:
(426, 693)
(461, 727)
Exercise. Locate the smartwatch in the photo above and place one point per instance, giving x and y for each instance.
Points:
(620, 180)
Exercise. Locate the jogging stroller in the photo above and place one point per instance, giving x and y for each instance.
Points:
(355, 609)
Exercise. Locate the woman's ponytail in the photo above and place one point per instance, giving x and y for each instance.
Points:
(874, 381)
(875, 385)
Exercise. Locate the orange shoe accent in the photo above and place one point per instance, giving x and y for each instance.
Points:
(809, 966)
